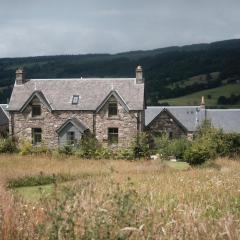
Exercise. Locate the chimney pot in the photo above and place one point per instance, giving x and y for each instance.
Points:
(20, 76)
(202, 102)
(139, 75)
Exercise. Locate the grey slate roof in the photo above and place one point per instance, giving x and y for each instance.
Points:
(92, 92)
(192, 116)
(226, 119)
(4, 115)
(186, 115)
(78, 124)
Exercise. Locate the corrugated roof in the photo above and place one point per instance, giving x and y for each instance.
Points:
(91, 91)
(192, 116)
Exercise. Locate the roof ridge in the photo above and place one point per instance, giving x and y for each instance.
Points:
(171, 106)
(83, 79)
(223, 110)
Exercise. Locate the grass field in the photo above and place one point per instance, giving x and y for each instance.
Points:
(195, 98)
(117, 199)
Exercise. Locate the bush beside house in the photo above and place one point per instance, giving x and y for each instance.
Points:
(208, 143)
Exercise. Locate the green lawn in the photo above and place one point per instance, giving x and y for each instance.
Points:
(34, 193)
(195, 98)
(178, 165)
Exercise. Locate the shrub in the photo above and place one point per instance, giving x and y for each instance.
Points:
(103, 153)
(199, 152)
(206, 145)
(209, 143)
(126, 153)
(42, 149)
(66, 150)
(162, 146)
(26, 148)
(88, 146)
(224, 144)
(141, 146)
(8, 145)
(231, 145)
(177, 147)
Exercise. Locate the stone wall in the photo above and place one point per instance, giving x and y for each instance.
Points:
(126, 122)
(98, 124)
(165, 123)
(48, 121)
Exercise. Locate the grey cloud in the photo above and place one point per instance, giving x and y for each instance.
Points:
(31, 27)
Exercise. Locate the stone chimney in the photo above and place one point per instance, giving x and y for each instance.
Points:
(202, 106)
(139, 75)
(20, 76)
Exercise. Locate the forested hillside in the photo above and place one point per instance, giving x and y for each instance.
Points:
(169, 72)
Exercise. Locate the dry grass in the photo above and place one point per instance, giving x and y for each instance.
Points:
(123, 200)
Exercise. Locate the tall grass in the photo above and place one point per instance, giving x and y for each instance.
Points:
(122, 200)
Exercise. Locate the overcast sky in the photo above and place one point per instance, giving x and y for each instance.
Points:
(52, 27)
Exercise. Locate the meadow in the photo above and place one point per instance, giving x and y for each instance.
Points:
(59, 197)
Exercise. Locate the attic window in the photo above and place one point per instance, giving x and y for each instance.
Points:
(75, 99)
(112, 109)
(36, 110)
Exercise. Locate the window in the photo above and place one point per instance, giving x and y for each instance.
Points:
(36, 110)
(113, 135)
(112, 109)
(70, 138)
(36, 136)
(75, 99)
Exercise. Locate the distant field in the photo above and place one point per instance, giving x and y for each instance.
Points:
(214, 93)
(202, 78)
(117, 199)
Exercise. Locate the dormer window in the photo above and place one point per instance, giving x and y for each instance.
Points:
(36, 110)
(112, 109)
(75, 99)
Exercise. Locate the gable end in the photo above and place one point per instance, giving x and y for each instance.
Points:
(40, 96)
(171, 116)
(115, 94)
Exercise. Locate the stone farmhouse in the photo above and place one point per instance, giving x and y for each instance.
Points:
(181, 121)
(60, 111)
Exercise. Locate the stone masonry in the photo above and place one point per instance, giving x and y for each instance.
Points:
(126, 122)
(165, 123)
(49, 122)
(98, 124)
(83, 101)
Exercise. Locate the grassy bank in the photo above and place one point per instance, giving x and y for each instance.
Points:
(120, 200)
(214, 93)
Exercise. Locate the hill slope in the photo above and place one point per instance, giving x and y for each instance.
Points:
(212, 97)
(169, 72)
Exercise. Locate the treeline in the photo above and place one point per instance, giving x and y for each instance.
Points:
(162, 67)
(233, 99)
